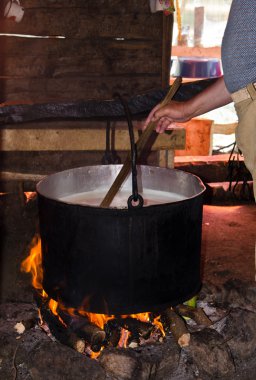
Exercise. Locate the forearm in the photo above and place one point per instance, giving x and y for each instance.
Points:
(214, 96)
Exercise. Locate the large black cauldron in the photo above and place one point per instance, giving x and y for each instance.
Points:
(120, 261)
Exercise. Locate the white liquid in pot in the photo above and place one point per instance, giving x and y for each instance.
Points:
(94, 198)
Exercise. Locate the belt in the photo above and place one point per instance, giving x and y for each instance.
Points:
(243, 94)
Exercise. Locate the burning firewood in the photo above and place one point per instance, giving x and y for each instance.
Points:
(123, 341)
(113, 332)
(195, 313)
(136, 327)
(62, 334)
(93, 334)
(84, 329)
(77, 343)
(26, 324)
(177, 327)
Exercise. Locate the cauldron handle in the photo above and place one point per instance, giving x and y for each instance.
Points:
(135, 200)
(140, 144)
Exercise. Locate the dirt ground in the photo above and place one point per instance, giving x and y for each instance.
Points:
(228, 243)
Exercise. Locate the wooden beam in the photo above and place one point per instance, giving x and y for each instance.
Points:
(80, 139)
(224, 129)
(166, 49)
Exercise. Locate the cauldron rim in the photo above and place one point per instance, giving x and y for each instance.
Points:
(121, 209)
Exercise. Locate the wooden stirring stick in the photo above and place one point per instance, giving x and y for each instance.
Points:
(140, 146)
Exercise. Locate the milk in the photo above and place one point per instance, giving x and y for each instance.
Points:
(94, 198)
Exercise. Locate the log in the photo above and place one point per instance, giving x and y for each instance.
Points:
(195, 313)
(113, 332)
(60, 332)
(136, 327)
(94, 335)
(177, 327)
(20, 110)
(82, 328)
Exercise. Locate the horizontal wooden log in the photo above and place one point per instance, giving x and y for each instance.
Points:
(40, 90)
(13, 182)
(140, 105)
(80, 139)
(80, 23)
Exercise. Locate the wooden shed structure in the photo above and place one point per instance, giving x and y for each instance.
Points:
(68, 50)
(64, 53)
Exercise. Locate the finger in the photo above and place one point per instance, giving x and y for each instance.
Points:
(162, 125)
(152, 116)
(149, 118)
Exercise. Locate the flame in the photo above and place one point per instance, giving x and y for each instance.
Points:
(159, 325)
(95, 355)
(124, 338)
(33, 264)
(30, 195)
(143, 317)
(97, 319)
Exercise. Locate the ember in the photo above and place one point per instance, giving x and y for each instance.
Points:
(89, 333)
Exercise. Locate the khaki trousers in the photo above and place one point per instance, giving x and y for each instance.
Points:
(246, 132)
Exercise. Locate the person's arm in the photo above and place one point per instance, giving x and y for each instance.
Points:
(212, 97)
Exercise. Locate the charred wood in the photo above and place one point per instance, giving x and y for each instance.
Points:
(94, 335)
(94, 109)
(137, 327)
(60, 332)
(74, 331)
(113, 333)
(84, 329)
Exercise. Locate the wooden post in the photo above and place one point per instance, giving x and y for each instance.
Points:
(198, 26)
(166, 49)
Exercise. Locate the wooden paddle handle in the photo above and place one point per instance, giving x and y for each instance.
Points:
(140, 146)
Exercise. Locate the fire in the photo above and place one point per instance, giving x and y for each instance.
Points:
(124, 338)
(29, 195)
(157, 323)
(33, 264)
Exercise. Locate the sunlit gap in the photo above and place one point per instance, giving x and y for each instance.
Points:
(28, 35)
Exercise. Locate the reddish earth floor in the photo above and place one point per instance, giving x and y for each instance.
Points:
(228, 243)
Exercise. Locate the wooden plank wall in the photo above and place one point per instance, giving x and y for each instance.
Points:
(108, 46)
